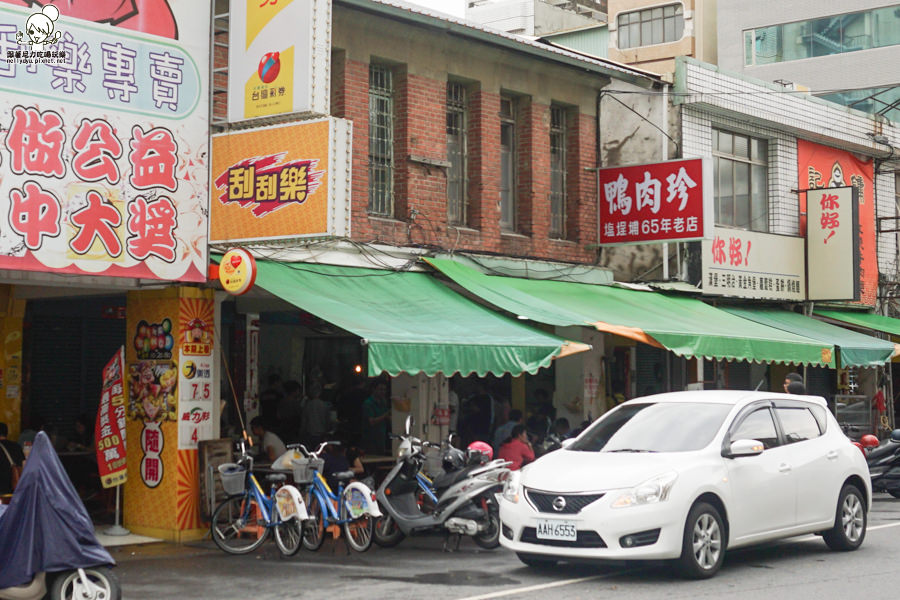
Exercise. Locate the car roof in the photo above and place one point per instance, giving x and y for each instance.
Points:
(732, 397)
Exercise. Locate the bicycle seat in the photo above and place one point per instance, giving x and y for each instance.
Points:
(343, 475)
(276, 477)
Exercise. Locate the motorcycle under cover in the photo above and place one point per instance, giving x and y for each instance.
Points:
(46, 527)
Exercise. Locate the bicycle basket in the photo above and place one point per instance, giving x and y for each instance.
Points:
(233, 477)
(305, 468)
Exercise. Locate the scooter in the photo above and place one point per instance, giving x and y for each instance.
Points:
(47, 540)
(466, 506)
(884, 465)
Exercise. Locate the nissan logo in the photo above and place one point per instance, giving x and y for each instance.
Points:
(559, 504)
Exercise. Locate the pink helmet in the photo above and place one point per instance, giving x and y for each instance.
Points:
(483, 447)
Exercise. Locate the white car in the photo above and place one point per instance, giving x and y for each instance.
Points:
(685, 475)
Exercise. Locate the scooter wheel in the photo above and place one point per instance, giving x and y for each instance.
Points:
(387, 534)
(103, 585)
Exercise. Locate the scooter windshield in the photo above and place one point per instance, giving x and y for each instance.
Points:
(46, 527)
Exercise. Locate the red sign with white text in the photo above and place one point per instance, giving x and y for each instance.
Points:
(110, 426)
(660, 202)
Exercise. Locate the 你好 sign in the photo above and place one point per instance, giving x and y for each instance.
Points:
(660, 202)
(751, 264)
(832, 244)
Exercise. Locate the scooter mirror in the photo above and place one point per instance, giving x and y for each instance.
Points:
(409, 424)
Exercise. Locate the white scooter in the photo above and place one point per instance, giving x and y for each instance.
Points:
(467, 507)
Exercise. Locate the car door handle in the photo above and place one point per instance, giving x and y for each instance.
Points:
(833, 455)
(784, 468)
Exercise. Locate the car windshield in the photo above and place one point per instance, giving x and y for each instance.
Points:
(654, 427)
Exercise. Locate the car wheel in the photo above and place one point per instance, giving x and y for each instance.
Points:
(849, 529)
(536, 561)
(703, 544)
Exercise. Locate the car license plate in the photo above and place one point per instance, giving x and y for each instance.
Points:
(548, 529)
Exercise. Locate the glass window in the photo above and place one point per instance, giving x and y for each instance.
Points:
(797, 423)
(759, 426)
(557, 172)
(834, 34)
(741, 178)
(381, 141)
(654, 427)
(651, 26)
(507, 164)
(456, 153)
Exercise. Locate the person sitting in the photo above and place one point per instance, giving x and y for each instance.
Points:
(337, 461)
(515, 418)
(517, 449)
(11, 454)
(271, 446)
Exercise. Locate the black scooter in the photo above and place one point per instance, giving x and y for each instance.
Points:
(884, 465)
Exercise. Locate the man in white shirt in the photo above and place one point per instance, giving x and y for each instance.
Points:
(271, 446)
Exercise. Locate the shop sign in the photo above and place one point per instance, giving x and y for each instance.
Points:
(278, 59)
(195, 384)
(750, 264)
(109, 430)
(104, 140)
(152, 440)
(832, 244)
(237, 271)
(661, 202)
(152, 390)
(285, 181)
(823, 167)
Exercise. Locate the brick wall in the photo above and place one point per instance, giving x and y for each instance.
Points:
(420, 185)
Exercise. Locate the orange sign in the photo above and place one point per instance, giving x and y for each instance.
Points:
(823, 167)
(271, 183)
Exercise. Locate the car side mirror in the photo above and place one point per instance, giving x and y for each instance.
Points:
(567, 442)
(744, 448)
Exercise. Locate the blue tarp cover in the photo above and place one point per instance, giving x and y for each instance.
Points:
(46, 527)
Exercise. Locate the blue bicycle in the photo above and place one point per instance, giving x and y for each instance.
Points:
(244, 520)
(352, 508)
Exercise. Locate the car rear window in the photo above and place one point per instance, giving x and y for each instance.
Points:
(798, 423)
(654, 427)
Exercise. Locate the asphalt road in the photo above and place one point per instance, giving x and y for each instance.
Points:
(794, 569)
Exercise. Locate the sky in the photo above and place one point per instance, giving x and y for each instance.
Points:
(456, 8)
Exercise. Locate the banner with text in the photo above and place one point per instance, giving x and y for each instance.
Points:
(750, 264)
(109, 431)
(670, 201)
(832, 244)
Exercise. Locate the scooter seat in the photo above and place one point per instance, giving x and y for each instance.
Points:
(447, 479)
(343, 475)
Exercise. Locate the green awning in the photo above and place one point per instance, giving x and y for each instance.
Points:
(686, 326)
(411, 322)
(857, 349)
(864, 320)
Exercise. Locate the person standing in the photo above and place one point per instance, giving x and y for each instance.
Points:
(11, 455)
(792, 378)
(376, 415)
(517, 449)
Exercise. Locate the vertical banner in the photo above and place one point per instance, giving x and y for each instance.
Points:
(823, 167)
(279, 58)
(109, 431)
(832, 244)
(195, 402)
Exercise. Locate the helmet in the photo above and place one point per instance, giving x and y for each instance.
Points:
(453, 459)
(479, 451)
(861, 449)
(869, 441)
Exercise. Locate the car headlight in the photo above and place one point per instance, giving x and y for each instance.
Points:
(651, 491)
(512, 487)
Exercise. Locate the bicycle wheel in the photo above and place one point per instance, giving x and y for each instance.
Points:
(288, 536)
(357, 532)
(314, 528)
(238, 526)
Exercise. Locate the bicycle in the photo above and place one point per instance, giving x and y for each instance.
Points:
(244, 520)
(353, 507)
